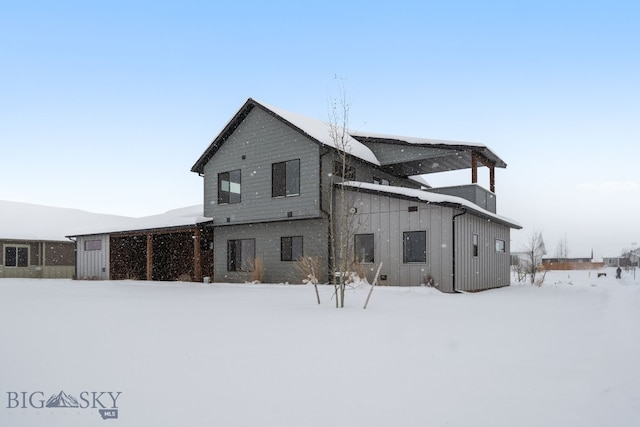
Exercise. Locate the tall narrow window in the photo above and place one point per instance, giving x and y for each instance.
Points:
(16, 256)
(475, 245)
(364, 247)
(241, 254)
(285, 178)
(500, 246)
(229, 187)
(291, 248)
(415, 246)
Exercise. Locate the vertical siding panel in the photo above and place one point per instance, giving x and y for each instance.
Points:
(90, 264)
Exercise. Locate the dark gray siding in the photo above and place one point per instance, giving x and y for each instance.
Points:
(388, 218)
(490, 269)
(258, 142)
(267, 239)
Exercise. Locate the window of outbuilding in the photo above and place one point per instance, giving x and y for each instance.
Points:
(92, 245)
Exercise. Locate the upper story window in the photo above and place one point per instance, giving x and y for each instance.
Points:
(501, 246)
(285, 178)
(16, 256)
(380, 181)
(345, 171)
(229, 187)
(415, 246)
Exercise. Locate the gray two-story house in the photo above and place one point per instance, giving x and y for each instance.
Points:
(270, 179)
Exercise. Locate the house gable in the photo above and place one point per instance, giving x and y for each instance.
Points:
(258, 142)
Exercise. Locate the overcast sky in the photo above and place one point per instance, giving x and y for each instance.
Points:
(105, 107)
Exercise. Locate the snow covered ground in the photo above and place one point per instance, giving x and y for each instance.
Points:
(183, 354)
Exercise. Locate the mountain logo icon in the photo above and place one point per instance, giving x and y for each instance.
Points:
(62, 400)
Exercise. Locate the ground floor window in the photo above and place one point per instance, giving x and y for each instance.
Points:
(241, 254)
(290, 248)
(414, 246)
(364, 247)
(16, 256)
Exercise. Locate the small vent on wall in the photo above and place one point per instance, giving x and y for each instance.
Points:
(244, 157)
(413, 209)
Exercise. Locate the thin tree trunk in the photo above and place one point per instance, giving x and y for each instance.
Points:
(375, 280)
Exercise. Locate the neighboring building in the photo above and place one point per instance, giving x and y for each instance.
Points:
(628, 259)
(570, 264)
(167, 247)
(36, 258)
(33, 242)
(268, 181)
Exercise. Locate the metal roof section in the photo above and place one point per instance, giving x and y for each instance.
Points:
(405, 155)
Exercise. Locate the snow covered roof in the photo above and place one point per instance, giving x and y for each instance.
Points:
(26, 221)
(435, 198)
(452, 155)
(181, 217)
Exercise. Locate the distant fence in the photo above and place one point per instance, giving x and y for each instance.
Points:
(568, 265)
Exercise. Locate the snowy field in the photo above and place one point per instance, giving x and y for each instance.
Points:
(182, 354)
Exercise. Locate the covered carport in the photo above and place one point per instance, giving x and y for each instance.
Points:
(176, 253)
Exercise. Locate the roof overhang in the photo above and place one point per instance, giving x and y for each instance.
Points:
(407, 156)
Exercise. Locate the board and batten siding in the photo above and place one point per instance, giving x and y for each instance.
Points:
(490, 268)
(387, 218)
(267, 246)
(92, 264)
(258, 142)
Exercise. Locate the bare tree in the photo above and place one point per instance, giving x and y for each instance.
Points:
(562, 250)
(534, 250)
(342, 221)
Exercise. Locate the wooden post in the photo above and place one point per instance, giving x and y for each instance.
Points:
(474, 168)
(197, 255)
(149, 257)
(492, 178)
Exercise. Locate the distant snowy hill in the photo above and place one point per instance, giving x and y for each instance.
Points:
(37, 222)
